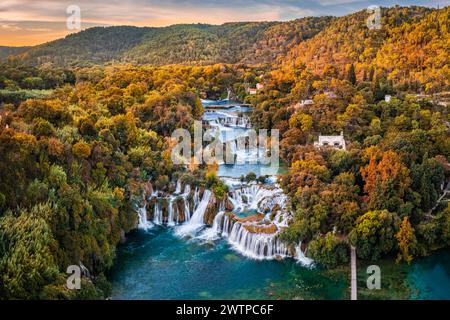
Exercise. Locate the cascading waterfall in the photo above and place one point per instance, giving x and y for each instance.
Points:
(234, 121)
(187, 212)
(301, 258)
(170, 217)
(256, 245)
(157, 214)
(252, 197)
(247, 236)
(143, 220)
(173, 216)
(196, 198)
(256, 235)
(214, 232)
(178, 187)
(197, 219)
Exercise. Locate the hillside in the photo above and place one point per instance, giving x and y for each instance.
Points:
(92, 46)
(419, 52)
(279, 39)
(197, 44)
(5, 52)
(348, 39)
(250, 42)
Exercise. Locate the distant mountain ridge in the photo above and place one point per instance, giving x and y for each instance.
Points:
(191, 44)
(320, 43)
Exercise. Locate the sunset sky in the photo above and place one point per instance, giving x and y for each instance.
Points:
(30, 22)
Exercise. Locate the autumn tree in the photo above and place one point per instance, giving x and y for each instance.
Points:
(406, 241)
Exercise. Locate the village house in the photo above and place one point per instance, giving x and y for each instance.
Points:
(337, 142)
(302, 104)
(252, 91)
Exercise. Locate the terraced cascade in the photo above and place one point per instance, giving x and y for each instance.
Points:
(190, 225)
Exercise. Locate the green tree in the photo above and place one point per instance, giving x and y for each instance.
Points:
(374, 234)
(27, 246)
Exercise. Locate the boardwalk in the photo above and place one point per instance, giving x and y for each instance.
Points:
(354, 287)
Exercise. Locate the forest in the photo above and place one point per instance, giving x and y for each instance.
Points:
(79, 143)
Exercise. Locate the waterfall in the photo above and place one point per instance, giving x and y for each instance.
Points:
(214, 232)
(170, 217)
(256, 245)
(143, 221)
(251, 198)
(173, 216)
(225, 227)
(246, 235)
(196, 198)
(157, 214)
(197, 219)
(234, 121)
(301, 258)
(187, 212)
(178, 188)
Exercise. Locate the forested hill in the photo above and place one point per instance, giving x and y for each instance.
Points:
(92, 46)
(412, 43)
(250, 42)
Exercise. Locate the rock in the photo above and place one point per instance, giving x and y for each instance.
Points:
(278, 258)
(123, 237)
(228, 205)
(179, 204)
(150, 208)
(211, 210)
(304, 247)
(148, 190)
(254, 228)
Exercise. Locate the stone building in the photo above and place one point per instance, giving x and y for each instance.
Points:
(337, 142)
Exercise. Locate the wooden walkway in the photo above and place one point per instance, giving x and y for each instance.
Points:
(354, 286)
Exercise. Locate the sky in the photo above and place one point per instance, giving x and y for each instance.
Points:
(31, 22)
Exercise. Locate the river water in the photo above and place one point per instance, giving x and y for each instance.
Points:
(157, 263)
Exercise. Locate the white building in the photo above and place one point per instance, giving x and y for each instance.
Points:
(387, 98)
(252, 91)
(337, 142)
(302, 104)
